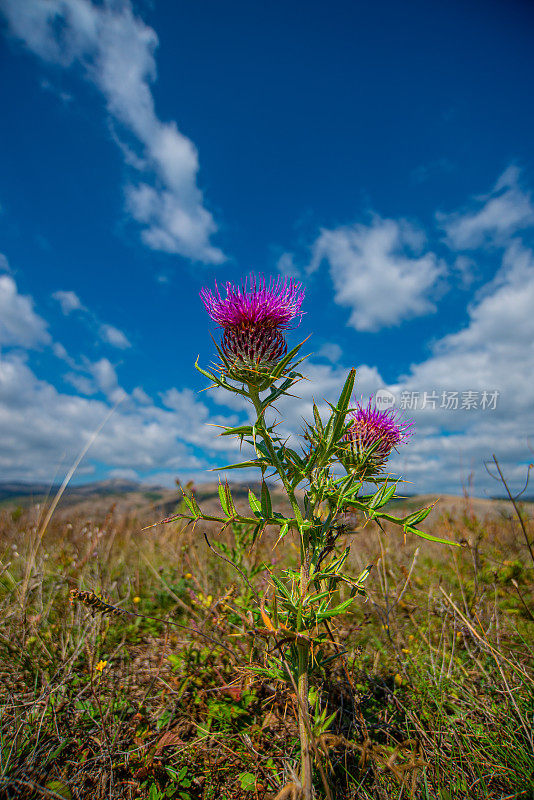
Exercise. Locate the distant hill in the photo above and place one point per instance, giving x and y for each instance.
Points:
(129, 496)
(12, 489)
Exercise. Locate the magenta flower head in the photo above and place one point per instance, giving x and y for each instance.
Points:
(371, 437)
(255, 303)
(253, 317)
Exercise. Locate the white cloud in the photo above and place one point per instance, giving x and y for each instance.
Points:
(42, 429)
(286, 265)
(19, 324)
(466, 269)
(114, 337)
(492, 218)
(141, 396)
(493, 352)
(109, 334)
(379, 271)
(116, 51)
(61, 352)
(496, 346)
(81, 383)
(124, 474)
(331, 351)
(69, 301)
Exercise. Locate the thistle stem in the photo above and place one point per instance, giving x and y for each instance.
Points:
(304, 723)
(303, 647)
(255, 397)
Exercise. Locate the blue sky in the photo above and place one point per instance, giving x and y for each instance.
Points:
(379, 153)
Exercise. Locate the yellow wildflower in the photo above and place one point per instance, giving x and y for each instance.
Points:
(100, 666)
(136, 599)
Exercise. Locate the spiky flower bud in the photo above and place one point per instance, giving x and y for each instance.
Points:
(253, 317)
(371, 437)
(252, 353)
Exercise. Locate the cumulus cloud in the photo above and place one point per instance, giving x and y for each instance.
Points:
(109, 334)
(69, 301)
(495, 347)
(19, 323)
(42, 428)
(491, 218)
(331, 351)
(115, 49)
(4, 264)
(380, 271)
(114, 337)
(492, 353)
(81, 383)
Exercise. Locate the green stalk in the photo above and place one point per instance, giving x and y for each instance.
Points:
(255, 397)
(304, 723)
(302, 647)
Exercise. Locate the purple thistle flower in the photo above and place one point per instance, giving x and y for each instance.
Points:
(255, 303)
(372, 436)
(253, 317)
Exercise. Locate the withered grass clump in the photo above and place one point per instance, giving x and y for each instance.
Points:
(433, 697)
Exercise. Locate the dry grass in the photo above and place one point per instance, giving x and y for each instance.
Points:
(434, 698)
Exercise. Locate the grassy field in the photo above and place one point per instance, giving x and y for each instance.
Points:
(433, 698)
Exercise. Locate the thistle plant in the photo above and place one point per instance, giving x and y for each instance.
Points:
(340, 467)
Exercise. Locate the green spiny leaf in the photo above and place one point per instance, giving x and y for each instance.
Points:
(418, 516)
(254, 503)
(230, 500)
(424, 535)
(266, 504)
(333, 612)
(222, 498)
(242, 465)
(240, 430)
(282, 364)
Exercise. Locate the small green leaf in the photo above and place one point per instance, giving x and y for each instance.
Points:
(254, 503)
(284, 591)
(364, 575)
(280, 367)
(283, 531)
(257, 530)
(222, 498)
(230, 500)
(196, 508)
(423, 535)
(242, 465)
(241, 430)
(418, 516)
(382, 496)
(248, 781)
(266, 504)
(318, 420)
(333, 612)
(60, 788)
